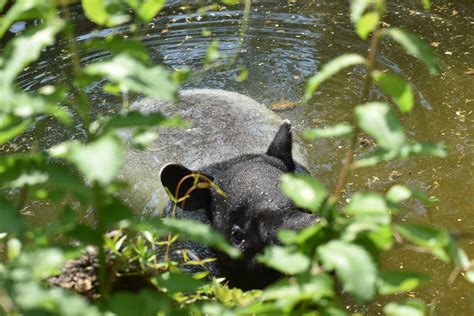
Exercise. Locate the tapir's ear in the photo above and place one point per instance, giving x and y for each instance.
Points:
(281, 146)
(174, 175)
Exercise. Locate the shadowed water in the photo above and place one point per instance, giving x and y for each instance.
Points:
(286, 43)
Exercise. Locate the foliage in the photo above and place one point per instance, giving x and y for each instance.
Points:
(343, 247)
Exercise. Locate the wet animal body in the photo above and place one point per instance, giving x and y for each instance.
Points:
(253, 209)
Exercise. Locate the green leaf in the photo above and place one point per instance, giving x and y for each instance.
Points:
(380, 122)
(398, 89)
(212, 54)
(131, 75)
(234, 296)
(329, 70)
(86, 234)
(315, 233)
(412, 307)
(427, 149)
(416, 47)
(63, 179)
(335, 311)
(99, 160)
(38, 264)
(177, 282)
(19, 170)
(375, 157)
(143, 137)
(288, 293)
(2, 4)
(11, 221)
(304, 191)
(427, 237)
(369, 207)
(379, 235)
(35, 299)
(181, 75)
(11, 127)
(217, 309)
(461, 260)
(14, 247)
(337, 130)
(398, 193)
(382, 238)
(426, 4)
(25, 105)
(230, 2)
(393, 282)
(98, 12)
(24, 9)
(357, 9)
(405, 151)
(244, 73)
(149, 8)
(284, 260)
(111, 210)
(367, 24)
(191, 230)
(145, 302)
(27, 275)
(23, 50)
(353, 265)
(67, 220)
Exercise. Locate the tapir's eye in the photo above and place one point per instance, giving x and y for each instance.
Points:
(237, 236)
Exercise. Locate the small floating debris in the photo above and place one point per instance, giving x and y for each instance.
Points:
(283, 105)
(469, 71)
(395, 175)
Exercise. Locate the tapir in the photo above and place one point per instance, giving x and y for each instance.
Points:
(244, 149)
(252, 209)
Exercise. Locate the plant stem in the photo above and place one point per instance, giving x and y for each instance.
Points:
(102, 274)
(242, 32)
(232, 59)
(103, 288)
(80, 96)
(83, 111)
(349, 158)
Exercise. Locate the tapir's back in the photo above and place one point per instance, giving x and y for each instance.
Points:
(223, 125)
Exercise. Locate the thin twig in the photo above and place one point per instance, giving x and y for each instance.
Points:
(454, 275)
(349, 158)
(102, 274)
(242, 32)
(80, 95)
(232, 59)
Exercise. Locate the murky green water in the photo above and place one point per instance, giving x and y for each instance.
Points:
(286, 43)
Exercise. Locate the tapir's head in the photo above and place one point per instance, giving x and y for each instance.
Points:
(253, 209)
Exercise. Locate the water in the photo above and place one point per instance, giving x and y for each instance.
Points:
(286, 43)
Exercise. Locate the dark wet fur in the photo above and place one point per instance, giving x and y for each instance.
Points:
(250, 215)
